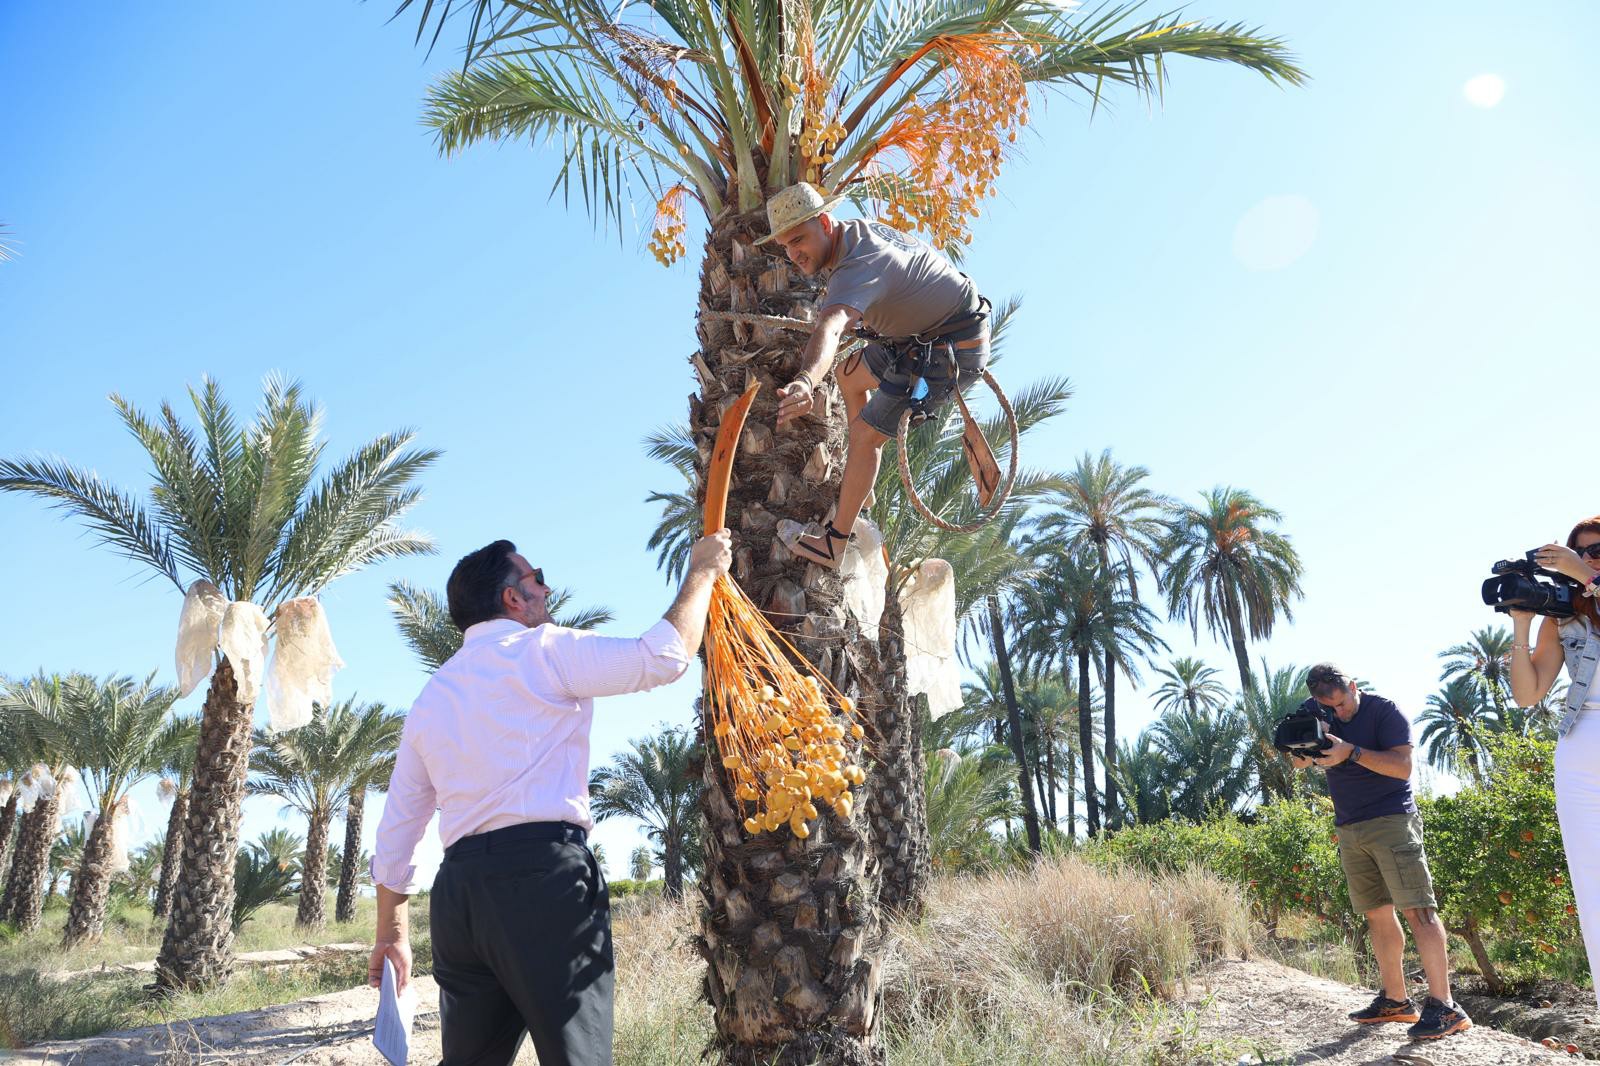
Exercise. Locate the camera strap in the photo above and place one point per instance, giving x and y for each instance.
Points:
(1582, 680)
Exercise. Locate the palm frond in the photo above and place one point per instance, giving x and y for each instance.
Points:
(424, 624)
(115, 518)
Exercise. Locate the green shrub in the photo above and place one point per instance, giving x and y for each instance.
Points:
(1495, 851)
(623, 888)
(1499, 869)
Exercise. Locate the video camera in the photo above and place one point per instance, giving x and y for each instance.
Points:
(1305, 731)
(1527, 586)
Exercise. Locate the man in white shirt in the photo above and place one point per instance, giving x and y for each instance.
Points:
(498, 742)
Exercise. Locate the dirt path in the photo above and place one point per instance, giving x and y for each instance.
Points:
(1270, 1013)
(1285, 1016)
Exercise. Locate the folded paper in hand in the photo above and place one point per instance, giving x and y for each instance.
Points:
(392, 1034)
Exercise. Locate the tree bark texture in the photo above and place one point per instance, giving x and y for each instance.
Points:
(672, 867)
(1108, 758)
(91, 887)
(1072, 797)
(1236, 637)
(1008, 686)
(169, 855)
(1091, 806)
(8, 902)
(896, 796)
(197, 950)
(8, 822)
(8, 839)
(344, 907)
(313, 910)
(32, 868)
(789, 927)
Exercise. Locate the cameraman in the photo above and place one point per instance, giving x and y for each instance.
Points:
(1575, 643)
(1380, 848)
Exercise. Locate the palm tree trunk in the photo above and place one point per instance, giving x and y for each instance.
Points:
(344, 907)
(672, 866)
(313, 910)
(1091, 805)
(169, 855)
(197, 950)
(1002, 657)
(896, 802)
(1108, 758)
(8, 822)
(91, 885)
(1241, 648)
(8, 902)
(1049, 792)
(32, 868)
(789, 927)
(1072, 797)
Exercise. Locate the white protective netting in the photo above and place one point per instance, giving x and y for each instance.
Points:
(303, 664)
(70, 797)
(243, 639)
(865, 573)
(35, 783)
(203, 608)
(928, 611)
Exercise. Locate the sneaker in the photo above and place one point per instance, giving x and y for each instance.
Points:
(1439, 1020)
(1384, 1009)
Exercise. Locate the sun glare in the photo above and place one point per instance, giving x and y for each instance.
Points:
(1486, 90)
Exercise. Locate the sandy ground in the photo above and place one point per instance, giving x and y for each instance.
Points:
(335, 1028)
(1292, 1017)
(1278, 1015)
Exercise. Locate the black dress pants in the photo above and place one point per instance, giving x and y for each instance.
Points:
(521, 927)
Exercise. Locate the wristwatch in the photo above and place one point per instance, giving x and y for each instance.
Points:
(1355, 754)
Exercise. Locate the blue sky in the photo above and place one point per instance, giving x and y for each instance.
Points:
(1368, 300)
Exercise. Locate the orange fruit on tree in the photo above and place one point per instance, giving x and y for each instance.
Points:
(1505, 897)
(1527, 835)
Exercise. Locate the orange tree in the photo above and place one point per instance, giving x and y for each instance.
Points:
(1498, 864)
(912, 109)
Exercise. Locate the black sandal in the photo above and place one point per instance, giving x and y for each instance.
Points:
(829, 559)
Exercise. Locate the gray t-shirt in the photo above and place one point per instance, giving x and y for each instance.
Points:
(900, 285)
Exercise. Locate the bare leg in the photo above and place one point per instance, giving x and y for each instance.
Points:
(1428, 932)
(1389, 945)
(862, 457)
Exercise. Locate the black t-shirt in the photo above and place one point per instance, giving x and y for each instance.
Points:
(1359, 793)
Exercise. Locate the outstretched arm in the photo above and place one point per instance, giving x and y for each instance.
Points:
(796, 398)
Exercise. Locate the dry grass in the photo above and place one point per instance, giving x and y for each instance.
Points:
(1060, 964)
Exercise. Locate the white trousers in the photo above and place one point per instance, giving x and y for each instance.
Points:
(1578, 808)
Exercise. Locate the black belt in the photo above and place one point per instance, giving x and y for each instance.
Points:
(964, 326)
(558, 832)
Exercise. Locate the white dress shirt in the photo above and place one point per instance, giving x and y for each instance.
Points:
(500, 734)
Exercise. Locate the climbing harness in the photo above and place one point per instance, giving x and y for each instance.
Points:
(917, 356)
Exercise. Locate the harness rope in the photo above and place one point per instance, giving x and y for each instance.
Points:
(1002, 494)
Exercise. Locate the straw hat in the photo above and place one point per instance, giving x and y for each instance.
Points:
(799, 203)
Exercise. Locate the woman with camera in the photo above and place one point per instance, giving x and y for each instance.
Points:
(1574, 643)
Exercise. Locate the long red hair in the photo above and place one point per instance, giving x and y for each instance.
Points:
(1585, 604)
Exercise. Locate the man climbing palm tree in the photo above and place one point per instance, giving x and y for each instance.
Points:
(927, 325)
